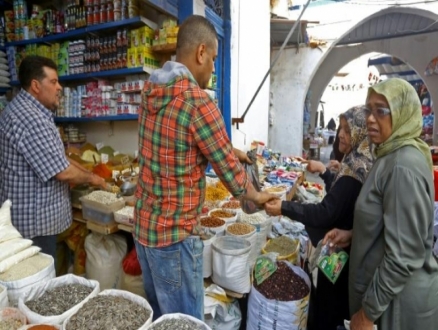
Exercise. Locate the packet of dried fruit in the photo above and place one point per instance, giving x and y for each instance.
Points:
(265, 266)
(330, 260)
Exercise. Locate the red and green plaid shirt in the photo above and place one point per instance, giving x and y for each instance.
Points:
(181, 130)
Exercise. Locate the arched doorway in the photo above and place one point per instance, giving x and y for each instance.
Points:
(406, 33)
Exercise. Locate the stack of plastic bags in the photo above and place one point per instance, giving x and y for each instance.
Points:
(13, 247)
(4, 71)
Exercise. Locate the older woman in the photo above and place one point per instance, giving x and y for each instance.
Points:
(393, 275)
(330, 304)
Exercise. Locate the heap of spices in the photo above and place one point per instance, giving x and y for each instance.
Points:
(231, 205)
(212, 222)
(222, 214)
(176, 324)
(11, 324)
(59, 300)
(43, 327)
(283, 285)
(283, 245)
(240, 229)
(105, 312)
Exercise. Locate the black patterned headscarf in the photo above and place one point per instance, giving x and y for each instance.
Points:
(359, 161)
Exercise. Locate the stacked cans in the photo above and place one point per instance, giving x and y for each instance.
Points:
(20, 18)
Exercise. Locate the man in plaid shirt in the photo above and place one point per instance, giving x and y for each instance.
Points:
(181, 130)
(35, 173)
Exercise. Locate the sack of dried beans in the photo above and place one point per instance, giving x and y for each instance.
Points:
(281, 301)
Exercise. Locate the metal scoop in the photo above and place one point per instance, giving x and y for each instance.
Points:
(127, 189)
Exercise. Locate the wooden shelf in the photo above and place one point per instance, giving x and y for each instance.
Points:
(164, 49)
(127, 228)
(102, 229)
(77, 216)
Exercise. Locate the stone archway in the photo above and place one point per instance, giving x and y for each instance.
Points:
(414, 48)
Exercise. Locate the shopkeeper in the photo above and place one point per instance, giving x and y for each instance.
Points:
(181, 130)
(35, 173)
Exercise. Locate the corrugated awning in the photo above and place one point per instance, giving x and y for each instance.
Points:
(392, 67)
(280, 29)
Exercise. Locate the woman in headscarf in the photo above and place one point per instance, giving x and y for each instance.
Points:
(330, 303)
(393, 275)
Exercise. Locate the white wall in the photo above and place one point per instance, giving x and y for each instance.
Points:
(289, 80)
(250, 60)
(120, 135)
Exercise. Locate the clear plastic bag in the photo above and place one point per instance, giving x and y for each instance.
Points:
(330, 260)
(252, 170)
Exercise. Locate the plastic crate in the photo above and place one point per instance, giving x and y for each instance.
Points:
(98, 212)
(123, 218)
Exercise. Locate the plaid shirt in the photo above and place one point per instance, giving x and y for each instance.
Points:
(181, 130)
(31, 154)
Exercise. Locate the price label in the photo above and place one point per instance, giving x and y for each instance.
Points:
(125, 160)
(314, 146)
(104, 158)
(116, 153)
(116, 174)
(99, 145)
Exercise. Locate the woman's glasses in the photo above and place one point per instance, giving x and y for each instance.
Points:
(379, 112)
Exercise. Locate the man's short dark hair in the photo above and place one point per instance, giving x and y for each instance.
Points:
(32, 68)
(195, 30)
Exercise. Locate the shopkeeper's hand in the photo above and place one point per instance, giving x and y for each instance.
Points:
(360, 321)
(338, 237)
(273, 207)
(315, 166)
(99, 182)
(242, 156)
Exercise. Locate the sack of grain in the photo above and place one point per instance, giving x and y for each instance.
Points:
(119, 311)
(20, 277)
(39, 290)
(105, 254)
(178, 321)
(248, 232)
(280, 302)
(4, 301)
(230, 263)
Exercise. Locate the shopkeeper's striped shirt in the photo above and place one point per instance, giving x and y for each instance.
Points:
(31, 154)
(181, 130)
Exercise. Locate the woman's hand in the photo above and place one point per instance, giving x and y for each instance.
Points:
(273, 207)
(334, 166)
(360, 321)
(338, 237)
(314, 166)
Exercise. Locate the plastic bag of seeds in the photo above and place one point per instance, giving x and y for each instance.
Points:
(55, 300)
(178, 321)
(252, 170)
(287, 307)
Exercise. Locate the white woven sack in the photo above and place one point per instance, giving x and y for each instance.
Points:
(127, 295)
(201, 325)
(207, 257)
(4, 301)
(19, 287)
(230, 263)
(38, 290)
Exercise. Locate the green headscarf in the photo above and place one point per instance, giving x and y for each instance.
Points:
(407, 120)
